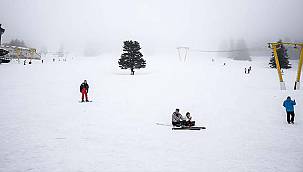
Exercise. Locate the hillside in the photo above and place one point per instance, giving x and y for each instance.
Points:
(43, 127)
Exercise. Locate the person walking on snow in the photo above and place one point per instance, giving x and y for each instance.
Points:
(84, 90)
(289, 106)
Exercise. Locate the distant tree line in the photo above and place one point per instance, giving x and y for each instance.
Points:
(236, 50)
(16, 42)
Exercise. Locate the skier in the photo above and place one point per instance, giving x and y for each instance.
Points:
(249, 69)
(177, 119)
(132, 71)
(189, 122)
(289, 106)
(84, 90)
(245, 70)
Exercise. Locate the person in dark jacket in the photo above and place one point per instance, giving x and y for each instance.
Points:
(189, 121)
(177, 119)
(84, 90)
(249, 69)
(290, 110)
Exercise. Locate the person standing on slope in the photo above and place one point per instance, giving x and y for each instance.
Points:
(290, 111)
(84, 90)
(249, 69)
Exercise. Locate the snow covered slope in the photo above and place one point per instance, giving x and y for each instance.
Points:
(43, 127)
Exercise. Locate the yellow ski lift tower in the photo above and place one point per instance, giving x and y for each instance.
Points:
(274, 46)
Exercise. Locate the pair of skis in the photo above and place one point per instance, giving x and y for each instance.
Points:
(85, 101)
(182, 128)
(188, 128)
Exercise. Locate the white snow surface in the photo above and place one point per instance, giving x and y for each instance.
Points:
(44, 128)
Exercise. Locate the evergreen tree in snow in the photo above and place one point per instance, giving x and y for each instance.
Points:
(131, 58)
(282, 56)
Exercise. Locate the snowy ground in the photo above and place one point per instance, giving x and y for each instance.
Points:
(43, 127)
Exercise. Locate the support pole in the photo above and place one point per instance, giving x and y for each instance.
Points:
(1, 32)
(181, 51)
(282, 84)
(297, 83)
(186, 50)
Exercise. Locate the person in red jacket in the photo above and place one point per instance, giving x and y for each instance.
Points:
(84, 90)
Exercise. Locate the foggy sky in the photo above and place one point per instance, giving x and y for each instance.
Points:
(156, 24)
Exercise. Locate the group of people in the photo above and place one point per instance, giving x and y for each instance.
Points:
(59, 59)
(178, 120)
(24, 62)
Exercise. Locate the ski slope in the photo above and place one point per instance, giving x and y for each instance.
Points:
(43, 127)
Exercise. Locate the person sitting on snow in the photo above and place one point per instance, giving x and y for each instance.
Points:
(189, 122)
(177, 119)
(84, 90)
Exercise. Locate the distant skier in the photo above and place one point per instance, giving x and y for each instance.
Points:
(132, 71)
(289, 106)
(189, 121)
(84, 90)
(177, 119)
(245, 70)
(249, 69)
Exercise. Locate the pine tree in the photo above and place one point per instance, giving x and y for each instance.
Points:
(131, 58)
(282, 56)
